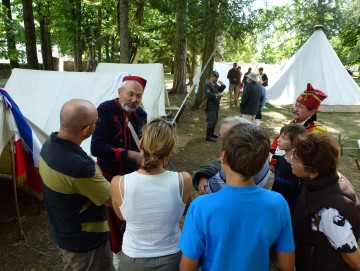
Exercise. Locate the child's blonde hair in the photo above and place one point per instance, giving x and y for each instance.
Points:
(158, 141)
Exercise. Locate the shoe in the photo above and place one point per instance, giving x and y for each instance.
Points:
(214, 136)
(211, 139)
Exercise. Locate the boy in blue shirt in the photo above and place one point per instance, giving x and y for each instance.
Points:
(235, 228)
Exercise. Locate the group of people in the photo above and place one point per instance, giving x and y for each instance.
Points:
(123, 213)
(252, 100)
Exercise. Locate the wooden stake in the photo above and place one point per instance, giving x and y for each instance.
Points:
(12, 153)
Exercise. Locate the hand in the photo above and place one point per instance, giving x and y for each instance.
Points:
(137, 157)
(203, 184)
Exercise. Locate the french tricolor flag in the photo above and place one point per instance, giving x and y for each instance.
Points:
(26, 145)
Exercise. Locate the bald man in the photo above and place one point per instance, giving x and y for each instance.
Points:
(75, 192)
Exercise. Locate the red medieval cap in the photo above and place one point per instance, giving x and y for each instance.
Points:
(311, 97)
(138, 79)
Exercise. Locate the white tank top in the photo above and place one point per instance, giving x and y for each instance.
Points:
(152, 207)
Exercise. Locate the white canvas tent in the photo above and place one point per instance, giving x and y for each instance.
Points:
(317, 63)
(155, 97)
(41, 94)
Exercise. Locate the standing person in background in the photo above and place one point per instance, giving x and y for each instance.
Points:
(234, 228)
(212, 92)
(75, 192)
(262, 102)
(152, 200)
(263, 77)
(250, 98)
(327, 213)
(114, 142)
(245, 77)
(234, 76)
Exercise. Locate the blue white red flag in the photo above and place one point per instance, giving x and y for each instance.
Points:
(26, 148)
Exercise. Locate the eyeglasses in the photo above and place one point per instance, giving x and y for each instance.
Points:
(295, 164)
(300, 106)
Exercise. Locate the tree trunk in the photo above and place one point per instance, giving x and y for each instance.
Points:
(76, 16)
(30, 38)
(191, 65)
(210, 31)
(10, 38)
(179, 84)
(107, 49)
(99, 30)
(124, 31)
(46, 50)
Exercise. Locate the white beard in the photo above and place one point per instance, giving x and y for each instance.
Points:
(127, 108)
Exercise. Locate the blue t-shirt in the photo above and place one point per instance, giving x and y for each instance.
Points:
(235, 228)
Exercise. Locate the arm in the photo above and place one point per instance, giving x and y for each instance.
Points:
(203, 183)
(187, 195)
(116, 198)
(208, 92)
(285, 261)
(135, 156)
(352, 259)
(206, 170)
(341, 237)
(187, 264)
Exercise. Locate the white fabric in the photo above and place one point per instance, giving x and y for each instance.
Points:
(7, 125)
(155, 96)
(336, 228)
(41, 94)
(152, 207)
(317, 63)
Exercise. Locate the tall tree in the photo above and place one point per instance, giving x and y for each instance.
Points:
(10, 38)
(44, 20)
(210, 29)
(30, 37)
(124, 31)
(77, 18)
(179, 84)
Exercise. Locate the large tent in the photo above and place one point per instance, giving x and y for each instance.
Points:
(41, 94)
(317, 63)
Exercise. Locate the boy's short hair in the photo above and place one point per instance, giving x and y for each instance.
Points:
(246, 147)
(292, 131)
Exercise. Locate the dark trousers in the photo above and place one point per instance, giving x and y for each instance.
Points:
(211, 120)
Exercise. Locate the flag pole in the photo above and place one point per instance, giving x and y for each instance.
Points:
(12, 155)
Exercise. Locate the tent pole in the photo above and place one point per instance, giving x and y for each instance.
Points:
(12, 153)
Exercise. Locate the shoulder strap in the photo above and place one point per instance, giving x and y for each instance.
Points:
(132, 130)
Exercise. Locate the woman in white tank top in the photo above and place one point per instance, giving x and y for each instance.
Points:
(152, 200)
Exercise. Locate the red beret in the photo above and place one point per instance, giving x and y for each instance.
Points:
(138, 79)
(311, 97)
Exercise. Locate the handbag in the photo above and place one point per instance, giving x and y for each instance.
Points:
(203, 104)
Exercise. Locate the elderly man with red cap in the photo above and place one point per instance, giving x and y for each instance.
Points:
(114, 141)
(304, 112)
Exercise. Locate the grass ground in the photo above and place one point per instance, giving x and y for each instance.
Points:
(38, 253)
